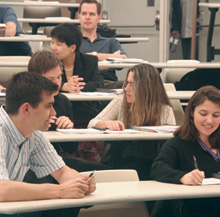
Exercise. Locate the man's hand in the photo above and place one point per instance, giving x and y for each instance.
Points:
(111, 125)
(74, 84)
(74, 188)
(194, 177)
(175, 33)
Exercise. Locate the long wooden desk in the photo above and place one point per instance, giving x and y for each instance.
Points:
(117, 192)
(40, 3)
(39, 38)
(55, 136)
(211, 51)
(80, 97)
(14, 63)
(54, 20)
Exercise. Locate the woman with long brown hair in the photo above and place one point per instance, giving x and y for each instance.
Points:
(144, 103)
(194, 153)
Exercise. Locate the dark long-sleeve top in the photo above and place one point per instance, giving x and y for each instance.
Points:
(86, 66)
(176, 159)
(63, 107)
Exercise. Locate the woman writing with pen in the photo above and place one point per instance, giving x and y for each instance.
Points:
(143, 103)
(192, 155)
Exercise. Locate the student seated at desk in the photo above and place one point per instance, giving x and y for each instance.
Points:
(94, 44)
(80, 71)
(192, 155)
(28, 109)
(9, 18)
(48, 65)
(144, 102)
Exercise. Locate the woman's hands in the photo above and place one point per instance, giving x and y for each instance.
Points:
(194, 177)
(111, 125)
(74, 84)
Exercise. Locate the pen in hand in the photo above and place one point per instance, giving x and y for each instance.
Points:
(195, 162)
(90, 175)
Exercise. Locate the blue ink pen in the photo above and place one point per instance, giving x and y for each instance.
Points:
(90, 175)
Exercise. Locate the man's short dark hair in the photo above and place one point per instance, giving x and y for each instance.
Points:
(27, 87)
(98, 5)
(67, 33)
(43, 61)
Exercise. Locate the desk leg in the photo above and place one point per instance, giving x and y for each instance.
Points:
(210, 49)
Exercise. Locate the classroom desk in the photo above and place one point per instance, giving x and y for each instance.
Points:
(80, 97)
(54, 20)
(55, 136)
(42, 38)
(40, 3)
(211, 51)
(117, 192)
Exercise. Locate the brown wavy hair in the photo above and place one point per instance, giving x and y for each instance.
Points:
(187, 130)
(149, 94)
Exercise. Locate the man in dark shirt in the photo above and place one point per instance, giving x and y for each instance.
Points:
(9, 18)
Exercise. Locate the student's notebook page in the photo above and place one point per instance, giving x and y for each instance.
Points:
(210, 181)
(94, 131)
(157, 129)
(80, 131)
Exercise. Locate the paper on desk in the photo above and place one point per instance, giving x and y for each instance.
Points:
(94, 131)
(210, 181)
(80, 131)
(125, 60)
(126, 131)
(96, 93)
(157, 129)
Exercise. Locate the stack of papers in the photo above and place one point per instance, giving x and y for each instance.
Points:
(157, 129)
(210, 181)
(125, 60)
(94, 131)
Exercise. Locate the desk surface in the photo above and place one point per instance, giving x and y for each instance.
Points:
(117, 192)
(40, 3)
(12, 62)
(80, 97)
(42, 38)
(55, 136)
(54, 20)
(210, 5)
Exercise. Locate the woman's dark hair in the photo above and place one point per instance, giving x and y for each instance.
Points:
(67, 33)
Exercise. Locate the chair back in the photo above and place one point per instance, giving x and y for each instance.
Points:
(177, 108)
(6, 72)
(118, 209)
(171, 75)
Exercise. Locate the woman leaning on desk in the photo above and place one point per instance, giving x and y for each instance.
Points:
(192, 155)
(144, 102)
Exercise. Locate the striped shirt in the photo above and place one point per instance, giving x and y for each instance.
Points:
(18, 154)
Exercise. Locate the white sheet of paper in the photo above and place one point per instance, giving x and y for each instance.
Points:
(80, 131)
(210, 181)
(157, 129)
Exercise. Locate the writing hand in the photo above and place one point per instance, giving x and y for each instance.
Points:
(194, 177)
